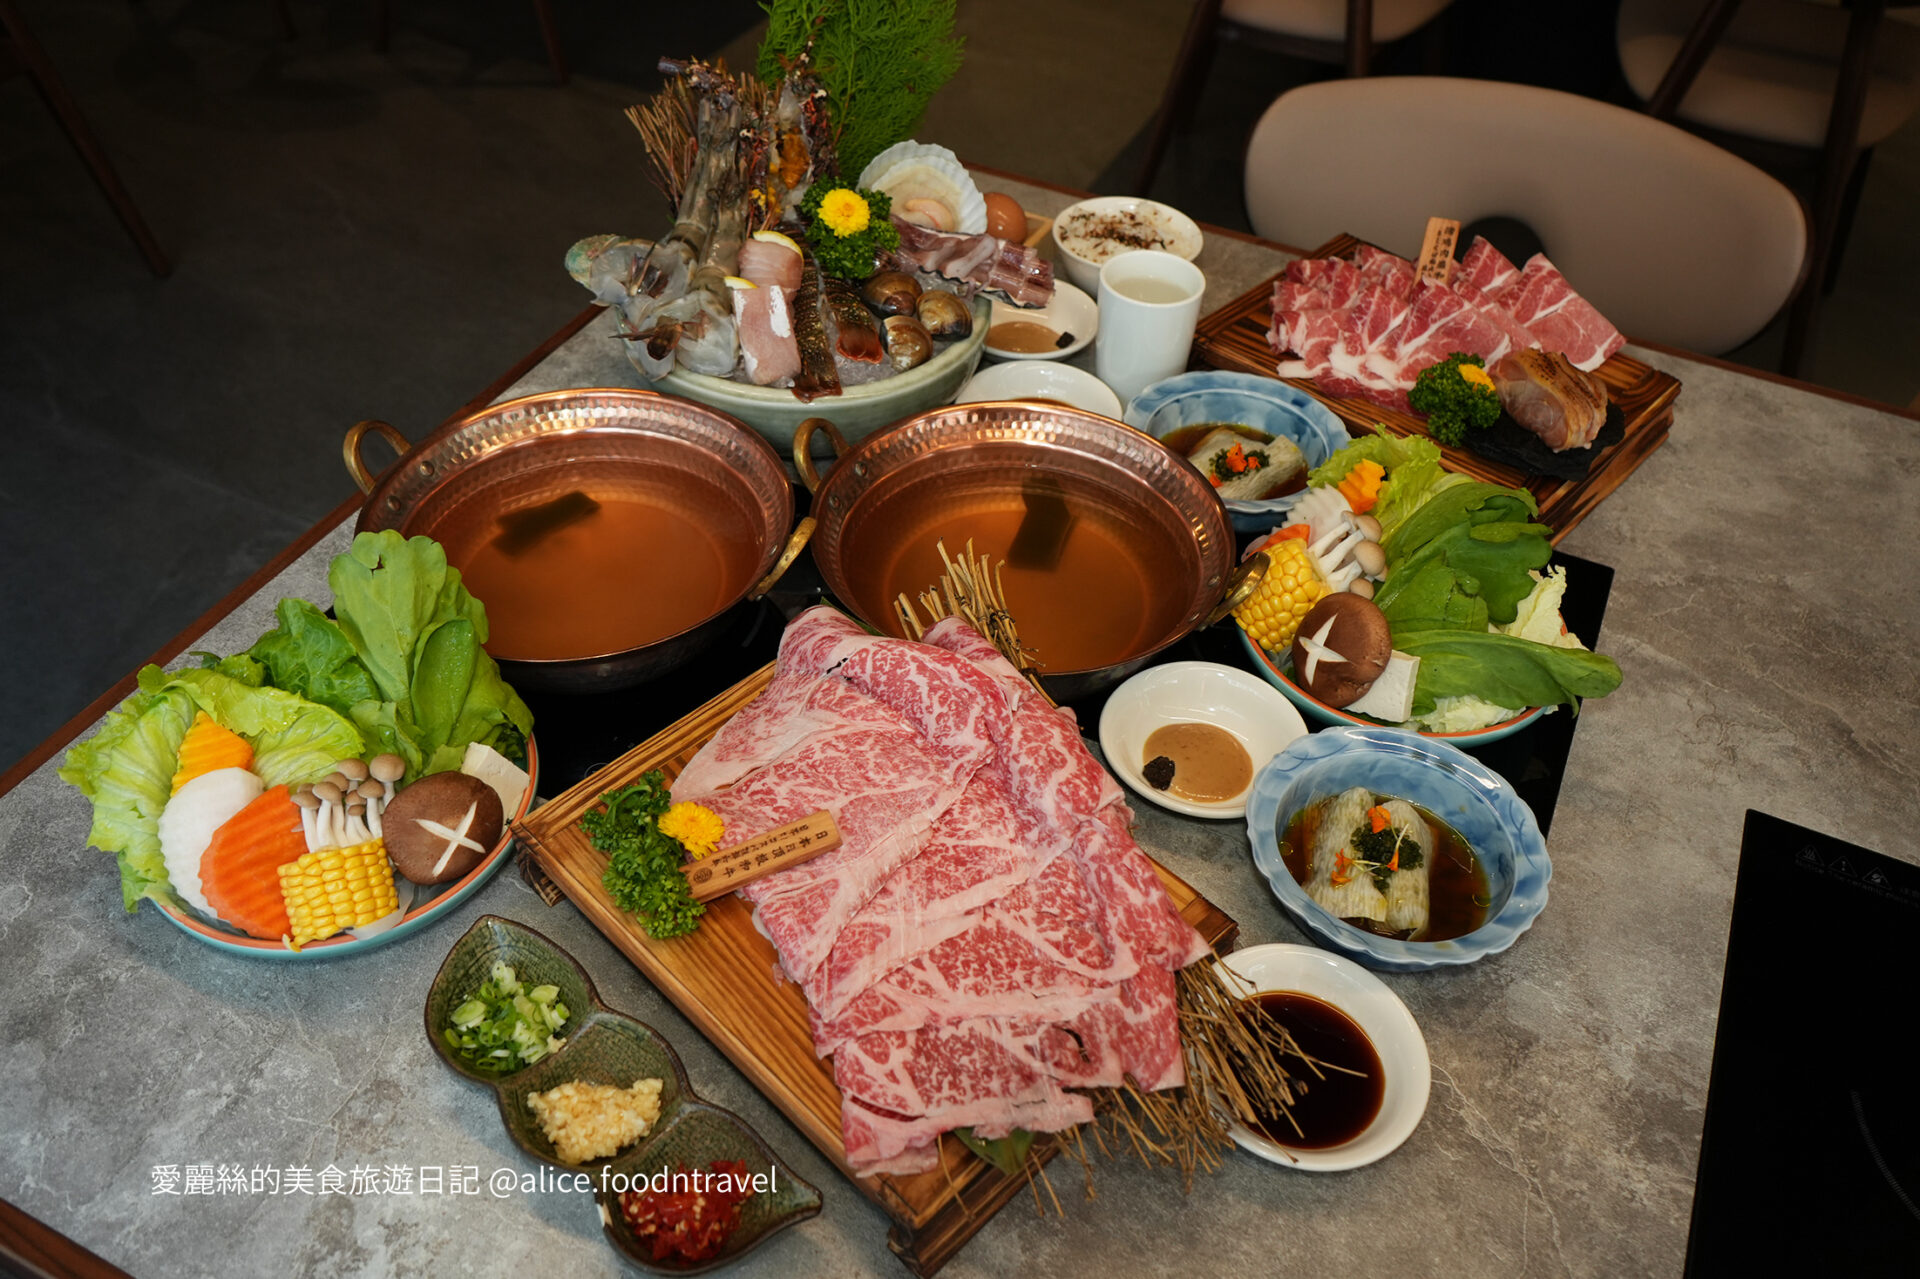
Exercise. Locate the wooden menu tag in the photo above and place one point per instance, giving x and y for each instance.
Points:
(719, 873)
(1436, 250)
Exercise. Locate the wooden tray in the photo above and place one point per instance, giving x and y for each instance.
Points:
(724, 977)
(1235, 338)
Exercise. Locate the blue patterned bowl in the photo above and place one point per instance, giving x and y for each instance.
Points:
(1262, 403)
(1474, 800)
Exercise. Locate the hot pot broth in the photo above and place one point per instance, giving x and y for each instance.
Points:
(1116, 589)
(581, 567)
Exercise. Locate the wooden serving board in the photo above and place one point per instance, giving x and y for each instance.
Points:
(725, 978)
(1235, 338)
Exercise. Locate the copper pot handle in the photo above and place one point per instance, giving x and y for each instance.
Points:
(802, 449)
(796, 542)
(350, 449)
(1241, 584)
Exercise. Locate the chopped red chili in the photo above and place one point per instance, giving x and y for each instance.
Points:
(691, 1224)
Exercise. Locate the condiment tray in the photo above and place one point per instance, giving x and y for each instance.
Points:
(606, 1046)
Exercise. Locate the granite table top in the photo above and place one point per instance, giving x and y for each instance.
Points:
(1763, 612)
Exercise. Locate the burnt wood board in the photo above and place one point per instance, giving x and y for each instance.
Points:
(725, 978)
(1235, 338)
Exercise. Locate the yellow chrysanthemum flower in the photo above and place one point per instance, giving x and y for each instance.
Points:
(699, 830)
(845, 212)
(1477, 376)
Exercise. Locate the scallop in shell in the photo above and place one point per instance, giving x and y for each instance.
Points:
(928, 184)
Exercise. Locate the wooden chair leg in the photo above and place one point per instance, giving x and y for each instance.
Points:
(550, 32)
(1183, 87)
(1693, 54)
(1836, 162)
(53, 91)
(1359, 37)
(1843, 229)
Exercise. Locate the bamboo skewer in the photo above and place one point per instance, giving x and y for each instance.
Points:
(973, 589)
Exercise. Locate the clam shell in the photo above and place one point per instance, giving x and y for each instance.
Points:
(891, 293)
(945, 315)
(907, 170)
(908, 342)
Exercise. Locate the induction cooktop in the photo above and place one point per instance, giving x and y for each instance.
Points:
(1810, 1160)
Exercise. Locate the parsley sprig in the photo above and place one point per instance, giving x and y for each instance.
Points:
(1382, 852)
(643, 875)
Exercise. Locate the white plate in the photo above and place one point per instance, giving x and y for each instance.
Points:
(1042, 380)
(1376, 1010)
(1195, 692)
(1070, 311)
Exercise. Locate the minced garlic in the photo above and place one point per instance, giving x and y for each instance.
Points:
(592, 1121)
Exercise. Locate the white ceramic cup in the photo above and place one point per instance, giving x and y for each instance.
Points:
(1149, 304)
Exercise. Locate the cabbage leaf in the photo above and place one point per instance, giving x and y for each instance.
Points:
(126, 769)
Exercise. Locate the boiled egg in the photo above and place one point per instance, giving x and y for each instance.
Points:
(1006, 220)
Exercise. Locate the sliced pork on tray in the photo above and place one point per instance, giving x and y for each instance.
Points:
(1368, 327)
(988, 938)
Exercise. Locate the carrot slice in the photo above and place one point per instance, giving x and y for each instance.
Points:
(240, 871)
(208, 746)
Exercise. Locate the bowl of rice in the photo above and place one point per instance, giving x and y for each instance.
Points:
(1087, 235)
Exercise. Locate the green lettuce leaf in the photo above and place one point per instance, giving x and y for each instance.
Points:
(1491, 562)
(1413, 468)
(1502, 669)
(419, 633)
(309, 655)
(240, 666)
(126, 771)
(294, 740)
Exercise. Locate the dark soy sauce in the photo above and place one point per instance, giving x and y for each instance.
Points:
(1330, 1111)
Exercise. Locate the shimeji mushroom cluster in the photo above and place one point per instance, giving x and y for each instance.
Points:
(343, 809)
(344, 880)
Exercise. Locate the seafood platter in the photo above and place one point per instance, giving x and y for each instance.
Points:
(792, 282)
(853, 826)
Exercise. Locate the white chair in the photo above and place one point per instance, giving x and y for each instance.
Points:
(1672, 238)
(1347, 32)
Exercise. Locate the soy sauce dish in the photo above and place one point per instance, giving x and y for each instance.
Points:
(1192, 736)
(1345, 1016)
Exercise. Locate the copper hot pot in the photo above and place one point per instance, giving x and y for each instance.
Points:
(1154, 559)
(692, 472)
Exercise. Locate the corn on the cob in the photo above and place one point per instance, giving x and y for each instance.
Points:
(337, 888)
(206, 747)
(1292, 586)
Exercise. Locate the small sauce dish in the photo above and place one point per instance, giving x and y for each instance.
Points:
(1070, 313)
(1045, 381)
(1239, 704)
(1367, 1002)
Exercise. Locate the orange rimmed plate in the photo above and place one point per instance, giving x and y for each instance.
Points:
(425, 909)
(1315, 709)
